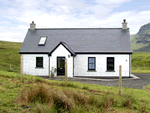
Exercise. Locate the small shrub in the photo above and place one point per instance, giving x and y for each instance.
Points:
(38, 93)
(62, 84)
(18, 84)
(105, 102)
(29, 81)
(68, 93)
(70, 84)
(39, 80)
(61, 101)
(44, 108)
(10, 70)
(40, 109)
(2, 90)
(80, 98)
(92, 100)
(41, 94)
(108, 101)
(85, 87)
(127, 103)
(143, 109)
(135, 106)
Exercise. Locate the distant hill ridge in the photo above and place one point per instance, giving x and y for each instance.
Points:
(143, 28)
(141, 41)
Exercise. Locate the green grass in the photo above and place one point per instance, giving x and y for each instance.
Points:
(10, 55)
(16, 92)
(47, 96)
(140, 71)
(140, 62)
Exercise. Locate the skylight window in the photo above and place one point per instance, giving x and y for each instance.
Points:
(42, 41)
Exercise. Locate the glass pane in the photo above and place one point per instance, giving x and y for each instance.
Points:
(61, 62)
(42, 41)
(39, 61)
(91, 60)
(91, 66)
(39, 64)
(110, 59)
(110, 66)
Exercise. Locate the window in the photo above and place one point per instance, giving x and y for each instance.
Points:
(39, 61)
(42, 41)
(91, 63)
(110, 63)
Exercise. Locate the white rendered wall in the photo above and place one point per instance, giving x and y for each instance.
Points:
(29, 64)
(61, 51)
(81, 65)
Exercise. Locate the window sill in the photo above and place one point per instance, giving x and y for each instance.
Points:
(91, 70)
(110, 71)
(39, 67)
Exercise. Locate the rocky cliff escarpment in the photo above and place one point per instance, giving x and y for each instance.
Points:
(141, 41)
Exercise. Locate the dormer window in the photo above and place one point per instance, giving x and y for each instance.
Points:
(42, 41)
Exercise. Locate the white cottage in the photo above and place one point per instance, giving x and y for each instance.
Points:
(90, 52)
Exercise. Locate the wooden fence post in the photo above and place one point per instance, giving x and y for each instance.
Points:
(66, 76)
(21, 66)
(120, 71)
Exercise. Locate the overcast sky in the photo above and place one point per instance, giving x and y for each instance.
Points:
(16, 15)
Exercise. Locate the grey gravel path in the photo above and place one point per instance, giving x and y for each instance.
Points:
(130, 83)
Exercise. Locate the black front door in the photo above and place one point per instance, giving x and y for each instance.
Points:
(61, 66)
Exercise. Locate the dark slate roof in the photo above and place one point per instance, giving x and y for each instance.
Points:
(96, 40)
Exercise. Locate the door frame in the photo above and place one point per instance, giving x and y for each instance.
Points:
(57, 60)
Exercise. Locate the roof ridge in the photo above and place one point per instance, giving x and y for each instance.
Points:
(72, 28)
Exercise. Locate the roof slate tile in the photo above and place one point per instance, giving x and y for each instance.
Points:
(79, 39)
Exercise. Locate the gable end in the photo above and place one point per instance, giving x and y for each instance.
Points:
(62, 43)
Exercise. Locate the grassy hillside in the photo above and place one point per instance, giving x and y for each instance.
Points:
(140, 62)
(135, 45)
(9, 54)
(132, 35)
(47, 96)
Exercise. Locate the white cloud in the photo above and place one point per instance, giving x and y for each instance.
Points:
(145, 12)
(112, 1)
(16, 34)
(4, 22)
(5, 2)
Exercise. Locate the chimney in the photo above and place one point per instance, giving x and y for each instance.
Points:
(124, 24)
(32, 26)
